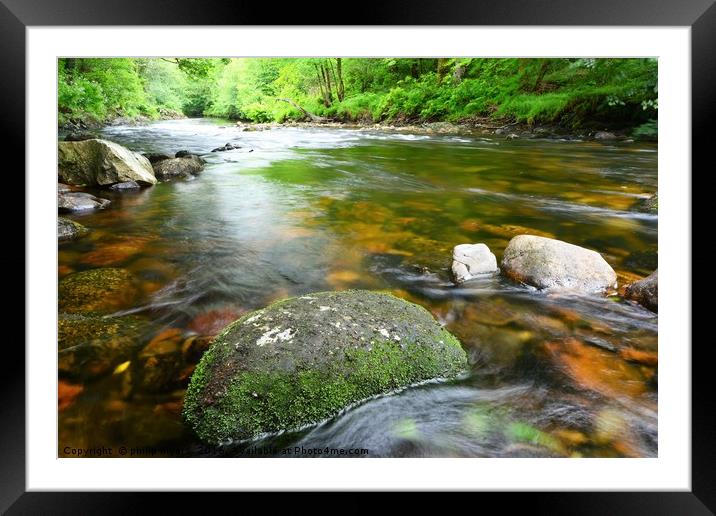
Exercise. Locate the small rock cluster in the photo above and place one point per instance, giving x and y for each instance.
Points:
(549, 265)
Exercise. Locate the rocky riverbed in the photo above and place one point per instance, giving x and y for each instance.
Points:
(173, 242)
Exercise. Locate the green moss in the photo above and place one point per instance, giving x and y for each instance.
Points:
(90, 345)
(104, 290)
(256, 402)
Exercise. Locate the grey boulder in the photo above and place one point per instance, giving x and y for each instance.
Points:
(472, 260)
(127, 185)
(69, 229)
(100, 163)
(173, 168)
(80, 201)
(551, 264)
(645, 291)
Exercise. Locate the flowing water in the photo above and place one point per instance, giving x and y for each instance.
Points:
(299, 210)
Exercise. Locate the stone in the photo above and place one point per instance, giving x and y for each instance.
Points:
(90, 345)
(80, 201)
(302, 360)
(156, 157)
(551, 264)
(69, 229)
(649, 205)
(645, 291)
(127, 185)
(100, 162)
(226, 147)
(105, 290)
(161, 362)
(79, 136)
(472, 260)
(186, 154)
(604, 135)
(173, 168)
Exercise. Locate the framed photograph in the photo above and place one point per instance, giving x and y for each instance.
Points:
(429, 239)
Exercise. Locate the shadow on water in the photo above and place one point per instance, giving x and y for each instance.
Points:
(328, 209)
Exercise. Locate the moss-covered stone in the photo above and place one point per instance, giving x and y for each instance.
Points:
(649, 205)
(302, 360)
(104, 290)
(69, 229)
(90, 345)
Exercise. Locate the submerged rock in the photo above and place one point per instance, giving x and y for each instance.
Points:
(645, 291)
(471, 260)
(604, 135)
(80, 201)
(173, 168)
(127, 185)
(302, 360)
(226, 147)
(546, 263)
(101, 162)
(69, 229)
(650, 205)
(90, 345)
(161, 362)
(104, 290)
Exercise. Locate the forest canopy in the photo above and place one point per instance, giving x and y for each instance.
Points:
(567, 92)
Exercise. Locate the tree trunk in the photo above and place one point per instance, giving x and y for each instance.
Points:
(329, 88)
(341, 87)
(321, 85)
(314, 118)
(441, 68)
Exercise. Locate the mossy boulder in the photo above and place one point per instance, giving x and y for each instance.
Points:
(100, 162)
(91, 345)
(304, 359)
(104, 290)
(649, 205)
(69, 229)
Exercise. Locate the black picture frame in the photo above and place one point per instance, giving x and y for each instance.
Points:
(17, 15)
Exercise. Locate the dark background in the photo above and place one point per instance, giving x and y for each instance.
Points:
(15, 15)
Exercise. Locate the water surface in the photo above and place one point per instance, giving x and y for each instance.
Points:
(299, 210)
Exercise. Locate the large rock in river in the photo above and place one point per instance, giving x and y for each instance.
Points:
(91, 345)
(547, 263)
(185, 168)
(79, 201)
(101, 162)
(103, 290)
(302, 360)
(69, 229)
(645, 291)
(472, 260)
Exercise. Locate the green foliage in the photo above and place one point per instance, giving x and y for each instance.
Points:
(570, 92)
(648, 130)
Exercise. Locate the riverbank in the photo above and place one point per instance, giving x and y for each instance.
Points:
(482, 126)
(473, 127)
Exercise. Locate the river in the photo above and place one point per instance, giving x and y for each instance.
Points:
(299, 210)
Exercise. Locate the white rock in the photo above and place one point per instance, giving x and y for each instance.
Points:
(471, 260)
(551, 264)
